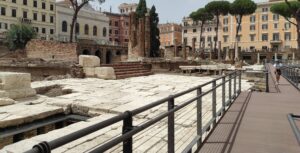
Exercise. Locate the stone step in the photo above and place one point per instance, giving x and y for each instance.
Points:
(133, 75)
(132, 72)
(129, 69)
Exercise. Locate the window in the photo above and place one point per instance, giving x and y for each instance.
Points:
(239, 28)
(239, 38)
(3, 11)
(51, 31)
(43, 17)
(287, 26)
(275, 17)
(64, 26)
(35, 16)
(276, 37)
(252, 27)
(110, 31)
(225, 29)
(225, 21)
(225, 38)
(264, 37)
(264, 26)
(43, 30)
(194, 30)
(86, 29)
(287, 36)
(116, 23)
(264, 17)
(35, 4)
(209, 39)
(116, 32)
(77, 28)
(265, 9)
(13, 1)
(43, 5)
(275, 25)
(252, 19)
(104, 32)
(51, 7)
(185, 40)
(252, 37)
(24, 14)
(36, 29)
(13, 12)
(51, 19)
(184, 31)
(24, 2)
(95, 31)
(185, 24)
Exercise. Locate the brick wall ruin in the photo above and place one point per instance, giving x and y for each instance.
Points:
(51, 50)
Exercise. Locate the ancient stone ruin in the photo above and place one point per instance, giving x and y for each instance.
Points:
(139, 37)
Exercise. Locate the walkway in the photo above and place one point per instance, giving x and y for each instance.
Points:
(257, 123)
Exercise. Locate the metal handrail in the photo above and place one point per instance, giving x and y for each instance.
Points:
(292, 74)
(127, 117)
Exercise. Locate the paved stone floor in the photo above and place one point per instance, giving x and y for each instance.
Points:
(103, 99)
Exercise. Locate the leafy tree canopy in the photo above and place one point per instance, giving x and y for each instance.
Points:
(242, 7)
(284, 10)
(18, 36)
(141, 9)
(201, 15)
(218, 7)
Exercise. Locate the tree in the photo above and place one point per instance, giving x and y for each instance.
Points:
(289, 10)
(154, 33)
(203, 16)
(218, 8)
(141, 9)
(240, 8)
(77, 6)
(18, 36)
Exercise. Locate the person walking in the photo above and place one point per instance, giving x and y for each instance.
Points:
(278, 74)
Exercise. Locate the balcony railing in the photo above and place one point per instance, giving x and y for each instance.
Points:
(25, 20)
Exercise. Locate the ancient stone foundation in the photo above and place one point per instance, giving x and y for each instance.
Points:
(14, 86)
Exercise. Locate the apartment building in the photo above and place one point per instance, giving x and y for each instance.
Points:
(261, 30)
(126, 8)
(38, 13)
(191, 34)
(170, 34)
(90, 25)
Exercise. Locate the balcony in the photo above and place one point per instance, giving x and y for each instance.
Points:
(25, 20)
(276, 41)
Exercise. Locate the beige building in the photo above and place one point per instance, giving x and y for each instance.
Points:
(191, 33)
(91, 24)
(39, 13)
(262, 30)
(126, 8)
(170, 34)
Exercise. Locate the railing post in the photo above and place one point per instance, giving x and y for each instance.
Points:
(171, 127)
(199, 115)
(267, 81)
(229, 86)
(127, 126)
(234, 87)
(223, 93)
(214, 103)
(240, 82)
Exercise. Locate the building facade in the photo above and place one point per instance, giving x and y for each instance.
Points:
(261, 30)
(91, 25)
(191, 34)
(170, 34)
(118, 28)
(38, 13)
(126, 8)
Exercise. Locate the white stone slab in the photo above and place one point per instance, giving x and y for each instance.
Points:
(12, 80)
(105, 73)
(89, 61)
(89, 71)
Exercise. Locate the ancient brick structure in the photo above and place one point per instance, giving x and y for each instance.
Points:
(51, 50)
(139, 37)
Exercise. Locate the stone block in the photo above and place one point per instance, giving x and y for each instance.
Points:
(89, 61)
(105, 73)
(11, 80)
(6, 101)
(89, 71)
(21, 93)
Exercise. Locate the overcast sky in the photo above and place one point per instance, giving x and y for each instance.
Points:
(169, 10)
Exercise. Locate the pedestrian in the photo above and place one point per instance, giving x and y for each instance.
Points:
(278, 74)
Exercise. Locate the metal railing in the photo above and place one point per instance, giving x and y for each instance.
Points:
(292, 74)
(129, 130)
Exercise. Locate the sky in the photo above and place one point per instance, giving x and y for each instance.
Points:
(171, 11)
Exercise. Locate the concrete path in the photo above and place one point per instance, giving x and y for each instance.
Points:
(257, 123)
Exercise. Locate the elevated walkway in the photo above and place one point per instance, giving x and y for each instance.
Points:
(258, 122)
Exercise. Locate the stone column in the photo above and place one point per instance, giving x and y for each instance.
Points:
(193, 46)
(275, 56)
(227, 54)
(184, 50)
(175, 48)
(142, 51)
(219, 51)
(211, 49)
(258, 58)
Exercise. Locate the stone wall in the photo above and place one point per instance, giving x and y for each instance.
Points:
(51, 50)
